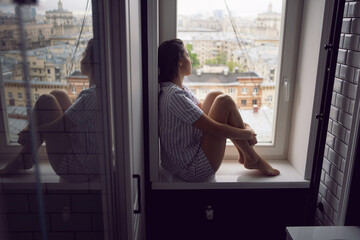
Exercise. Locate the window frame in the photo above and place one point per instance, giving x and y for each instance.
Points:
(10, 149)
(231, 90)
(162, 25)
(291, 16)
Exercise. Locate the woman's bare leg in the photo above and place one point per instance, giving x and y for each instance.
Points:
(46, 110)
(206, 106)
(57, 142)
(224, 110)
(62, 98)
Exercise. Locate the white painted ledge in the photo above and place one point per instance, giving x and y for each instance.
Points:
(323, 233)
(26, 181)
(233, 175)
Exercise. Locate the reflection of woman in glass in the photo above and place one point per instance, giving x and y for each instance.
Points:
(68, 129)
(193, 134)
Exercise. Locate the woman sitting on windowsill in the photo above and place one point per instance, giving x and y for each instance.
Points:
(193, 134)
(68, 129)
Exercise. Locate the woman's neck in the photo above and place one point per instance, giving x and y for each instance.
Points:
(91, 80)
(178, 80)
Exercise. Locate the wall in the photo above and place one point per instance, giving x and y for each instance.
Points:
(341, 124)
(305, 82)
(70, 215)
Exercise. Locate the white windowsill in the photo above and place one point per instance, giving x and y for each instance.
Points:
(232, 175)
(26, 181)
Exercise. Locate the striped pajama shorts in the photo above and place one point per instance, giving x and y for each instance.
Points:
(198, 170)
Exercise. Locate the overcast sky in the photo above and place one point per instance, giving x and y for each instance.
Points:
(238, 7)
(76, 6)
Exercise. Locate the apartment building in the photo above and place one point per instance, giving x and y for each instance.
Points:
(76, 83)
(37, 35)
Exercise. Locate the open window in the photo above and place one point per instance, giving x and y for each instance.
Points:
(287, 78)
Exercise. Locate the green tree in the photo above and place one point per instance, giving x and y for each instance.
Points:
(193, 56)
(220, 58)
(231, 65)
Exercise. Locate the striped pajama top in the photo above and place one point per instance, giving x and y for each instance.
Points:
(179, 140)
(82, 158)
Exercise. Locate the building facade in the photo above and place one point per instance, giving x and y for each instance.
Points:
(76, 83)
(61, 20)
(15, 94)
(244, 88)
(37, 35)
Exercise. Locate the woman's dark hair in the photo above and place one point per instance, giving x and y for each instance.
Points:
(88, 54)
(169, 54)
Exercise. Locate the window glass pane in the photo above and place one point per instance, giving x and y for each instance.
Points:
(234, 46)
(53, 54)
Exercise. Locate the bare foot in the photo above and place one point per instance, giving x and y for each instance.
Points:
(263, 166)
(21, 162)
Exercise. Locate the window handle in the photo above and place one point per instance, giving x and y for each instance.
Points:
(287, 89)
(137, 177)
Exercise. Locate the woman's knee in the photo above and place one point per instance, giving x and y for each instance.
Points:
(225, 100)
(46, 101)
(58, 93)
(46, 98)
(213, 95)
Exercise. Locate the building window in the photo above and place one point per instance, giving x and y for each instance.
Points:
(243, 102)
(255, 91)
(269, 99)
(73, 89)
(244, 90)
(254, 101)
(231, 90)
(204, 90)
(47, 63)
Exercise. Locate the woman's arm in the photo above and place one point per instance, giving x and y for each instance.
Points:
(215, 128)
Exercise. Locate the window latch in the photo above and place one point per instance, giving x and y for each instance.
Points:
(319, 116)
(328, 46)
(287, 89)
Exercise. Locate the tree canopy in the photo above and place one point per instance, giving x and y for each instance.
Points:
(193, 56)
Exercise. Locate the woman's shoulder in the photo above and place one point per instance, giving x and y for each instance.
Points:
(170, 89)
(88, 91)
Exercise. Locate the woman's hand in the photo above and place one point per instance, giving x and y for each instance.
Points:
(253, 141)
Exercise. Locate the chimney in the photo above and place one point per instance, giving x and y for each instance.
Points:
(198, 72)
(226, 71)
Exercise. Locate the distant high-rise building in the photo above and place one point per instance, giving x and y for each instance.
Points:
(60, 19)
(218, 13)
(28, 13)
